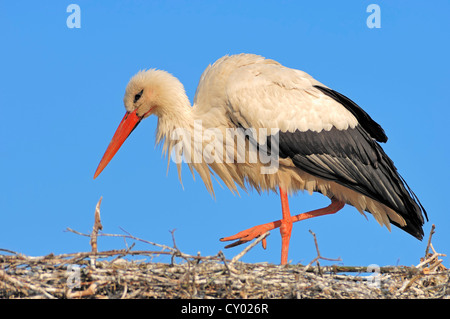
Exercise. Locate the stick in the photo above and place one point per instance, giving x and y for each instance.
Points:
(94, 234)
(256, 242)
(318, 255)
(97, 226)
(429, 240)
(230, 268)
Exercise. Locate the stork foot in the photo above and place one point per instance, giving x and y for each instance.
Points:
(251, 233)
(247, 235)
(285, 226)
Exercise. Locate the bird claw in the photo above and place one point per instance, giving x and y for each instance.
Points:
(236, 243)
(264, 243)
(248, 235)
(243, 241)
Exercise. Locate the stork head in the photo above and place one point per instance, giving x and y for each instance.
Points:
(148, 92)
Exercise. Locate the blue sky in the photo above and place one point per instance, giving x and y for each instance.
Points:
(61, 95)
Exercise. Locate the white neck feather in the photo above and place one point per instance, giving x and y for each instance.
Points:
(175, 131)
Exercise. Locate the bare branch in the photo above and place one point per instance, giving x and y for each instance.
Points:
(319, 256)
(247, 249)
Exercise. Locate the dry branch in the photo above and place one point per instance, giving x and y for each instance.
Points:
(319, 256)
(116, 274)
(206, 277)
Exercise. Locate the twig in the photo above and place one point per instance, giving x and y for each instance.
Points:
(363, 269)
(126, 252)
(318, 255)
(162, 252)
(94, 234)
(430, 259)
(230, 268)
(9, 251)
(129, 236)
(20, 283)
(172, 232)
(429, 240)
(246, 249)
(176, 250)
(97, 226)
(125, 291)
(84, 293)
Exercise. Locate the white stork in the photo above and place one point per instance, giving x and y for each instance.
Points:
(326, 143)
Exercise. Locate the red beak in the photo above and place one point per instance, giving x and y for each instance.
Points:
(126, 126)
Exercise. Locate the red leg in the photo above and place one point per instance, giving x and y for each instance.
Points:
(334, 207)
(285, 225)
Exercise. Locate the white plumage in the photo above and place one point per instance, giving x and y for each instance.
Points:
(269, 95)
(326, 142)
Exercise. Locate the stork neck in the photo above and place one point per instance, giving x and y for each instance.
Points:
(179, 118)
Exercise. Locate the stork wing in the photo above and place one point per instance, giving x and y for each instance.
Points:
(324, 133)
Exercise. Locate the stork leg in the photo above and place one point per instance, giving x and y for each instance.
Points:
(285, 225)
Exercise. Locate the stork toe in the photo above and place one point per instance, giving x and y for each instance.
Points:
(249, 234)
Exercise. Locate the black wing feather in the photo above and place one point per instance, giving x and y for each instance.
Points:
(372, 127)
(353, 159)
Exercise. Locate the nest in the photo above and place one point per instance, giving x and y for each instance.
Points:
(131, 274)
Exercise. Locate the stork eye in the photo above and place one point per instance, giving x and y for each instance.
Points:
(138, 96)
